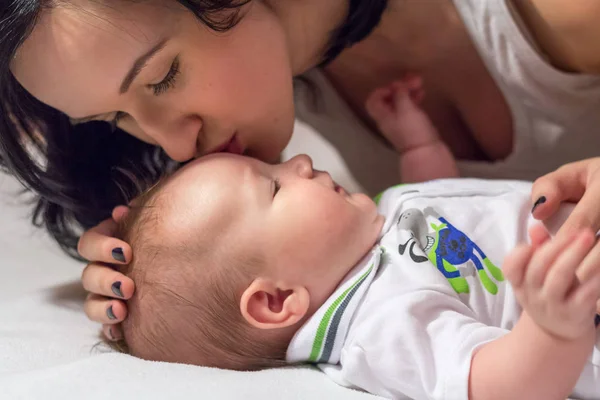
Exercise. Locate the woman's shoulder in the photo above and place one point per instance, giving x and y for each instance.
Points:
(567, 34)
(564, 36)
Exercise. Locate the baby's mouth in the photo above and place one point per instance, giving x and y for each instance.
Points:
(340, 190)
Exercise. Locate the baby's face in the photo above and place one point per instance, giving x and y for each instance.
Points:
(309, 230)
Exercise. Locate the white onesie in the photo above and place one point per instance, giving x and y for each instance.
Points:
(556, 115)
(406, 320)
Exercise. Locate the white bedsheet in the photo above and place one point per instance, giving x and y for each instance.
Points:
(47, 345)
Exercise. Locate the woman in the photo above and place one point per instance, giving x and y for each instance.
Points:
(509, 85)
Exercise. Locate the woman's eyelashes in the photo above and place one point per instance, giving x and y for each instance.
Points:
(169, 80)
(276, 186)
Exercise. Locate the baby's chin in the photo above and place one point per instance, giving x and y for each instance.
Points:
(364, 202)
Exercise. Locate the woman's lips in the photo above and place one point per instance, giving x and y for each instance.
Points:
(233, 146)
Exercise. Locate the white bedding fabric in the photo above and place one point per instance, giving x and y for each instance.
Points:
(47, 344)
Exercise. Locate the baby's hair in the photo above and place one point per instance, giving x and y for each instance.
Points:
(186, 305)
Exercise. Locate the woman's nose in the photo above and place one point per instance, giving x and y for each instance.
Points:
(178, 136)
(302, 165)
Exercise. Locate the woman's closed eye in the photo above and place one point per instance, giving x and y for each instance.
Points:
(169, 80)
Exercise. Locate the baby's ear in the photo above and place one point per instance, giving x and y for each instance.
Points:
(267, 305)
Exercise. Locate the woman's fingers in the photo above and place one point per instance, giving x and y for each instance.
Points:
(576, 182)
(549, 191)
(98, 245)
(112, 332)
(103, 310)
(119, 212)
(586, 213)
(102, 280)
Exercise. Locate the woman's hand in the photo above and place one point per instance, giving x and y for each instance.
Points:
(577, 182)
(108, 287)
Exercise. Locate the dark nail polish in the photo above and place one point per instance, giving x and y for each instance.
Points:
(539, 201)
(110, 313)
(118, 255)
(116, 289)
(597, 320)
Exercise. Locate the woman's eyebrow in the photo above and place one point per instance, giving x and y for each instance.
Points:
(139, 65)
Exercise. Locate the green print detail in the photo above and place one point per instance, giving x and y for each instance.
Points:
(322, 329)
(377, 198)
(449, 248)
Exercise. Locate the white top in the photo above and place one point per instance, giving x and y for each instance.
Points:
(406, 320)
(556, 116)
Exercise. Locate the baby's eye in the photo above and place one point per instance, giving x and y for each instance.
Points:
(276, 186)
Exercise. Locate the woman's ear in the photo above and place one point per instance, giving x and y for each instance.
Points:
(267, 305)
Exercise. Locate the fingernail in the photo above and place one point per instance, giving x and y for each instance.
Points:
(118, 255)
(539, 201)
(110, 313)
(597, 320)
(116, 289)
(110, 334)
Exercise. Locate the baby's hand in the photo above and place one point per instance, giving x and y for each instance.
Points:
(557, 281)
(423, 155)
(395, 109)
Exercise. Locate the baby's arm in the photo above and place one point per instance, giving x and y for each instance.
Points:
(423, 155)
(557, 282)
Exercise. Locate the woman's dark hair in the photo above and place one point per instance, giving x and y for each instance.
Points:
(78, 173)
(363, 16)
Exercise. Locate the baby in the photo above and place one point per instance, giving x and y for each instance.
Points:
(244, 265)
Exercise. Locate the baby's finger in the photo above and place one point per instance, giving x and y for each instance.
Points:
(411, 81)
(103, 310)
(98, 245)
(105, 281)
(543, 258)
(538, 235)
(584, 298)
(112, 332)
(515, 265)
(379, 105)
(403, 101)
(413, 84)
(562, 276)
(590, 266)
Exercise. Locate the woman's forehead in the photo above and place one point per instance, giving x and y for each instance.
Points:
(73, 50)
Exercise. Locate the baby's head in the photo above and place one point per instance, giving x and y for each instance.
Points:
(231, 255)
